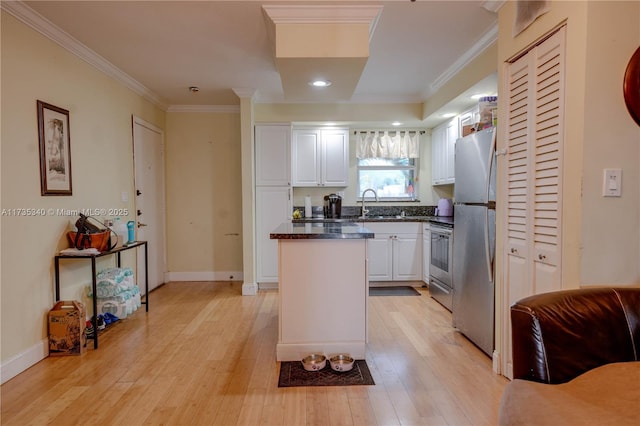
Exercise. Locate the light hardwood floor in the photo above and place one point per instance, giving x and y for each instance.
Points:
(204, 355)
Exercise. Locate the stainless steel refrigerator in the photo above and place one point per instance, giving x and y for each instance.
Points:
(474, 238)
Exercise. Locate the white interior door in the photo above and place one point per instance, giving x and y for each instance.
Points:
(148, 152)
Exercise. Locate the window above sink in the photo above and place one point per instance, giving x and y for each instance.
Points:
(393, 179)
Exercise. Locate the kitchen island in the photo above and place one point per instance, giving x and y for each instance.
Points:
(323, 289)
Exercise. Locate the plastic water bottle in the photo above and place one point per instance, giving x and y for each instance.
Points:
(121, 231)
(131, 231)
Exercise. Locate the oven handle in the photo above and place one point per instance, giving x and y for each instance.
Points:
(440, 287)
(446, 232)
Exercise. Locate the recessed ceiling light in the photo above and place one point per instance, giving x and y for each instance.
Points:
(194, 89)
(396, 123)
(449, 115)
(320, 83)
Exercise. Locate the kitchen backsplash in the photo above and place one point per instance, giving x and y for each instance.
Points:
(352, 211)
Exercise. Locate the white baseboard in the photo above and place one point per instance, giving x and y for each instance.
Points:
(268, 286)
(204, 276)
(297, 351)
(496, 362)
(249, 289)
(24, 360)
(508, 371)
(396, 283)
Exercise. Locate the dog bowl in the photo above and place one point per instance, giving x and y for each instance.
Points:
(314, 362)
(341, 362)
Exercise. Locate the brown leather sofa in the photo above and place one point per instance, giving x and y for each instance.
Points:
(575, 359)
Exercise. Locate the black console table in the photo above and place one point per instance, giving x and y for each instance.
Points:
(93, 258)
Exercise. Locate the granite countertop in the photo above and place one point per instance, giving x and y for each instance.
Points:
(441, 220)
(309, 230)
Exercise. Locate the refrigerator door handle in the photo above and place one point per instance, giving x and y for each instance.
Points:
(487, 246)
(490, 163)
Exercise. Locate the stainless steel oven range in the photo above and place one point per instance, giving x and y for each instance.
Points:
(440, 270)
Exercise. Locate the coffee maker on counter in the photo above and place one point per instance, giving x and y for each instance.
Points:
(332, 206)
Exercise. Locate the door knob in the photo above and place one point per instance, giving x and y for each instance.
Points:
(140, 224)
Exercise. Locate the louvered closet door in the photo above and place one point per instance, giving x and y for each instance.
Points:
(534, 139)
(547, 162)
(518, 202)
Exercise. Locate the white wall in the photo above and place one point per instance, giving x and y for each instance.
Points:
(600, 236)
(204, 195)
(100, 109)
(610, 226)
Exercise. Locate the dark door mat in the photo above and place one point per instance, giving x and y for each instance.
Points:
(393, 291)
(292, 373)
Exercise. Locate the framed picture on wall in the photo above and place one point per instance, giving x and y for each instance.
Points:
(55, 150)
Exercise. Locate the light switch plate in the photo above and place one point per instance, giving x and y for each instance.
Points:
(612, 183)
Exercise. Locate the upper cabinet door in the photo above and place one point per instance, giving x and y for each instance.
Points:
(452, 136)
(335, 157)
(443, 142)
(320, 157)
(305, 155)
(273, 155)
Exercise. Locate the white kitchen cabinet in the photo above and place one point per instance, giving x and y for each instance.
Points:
(380, 252)
(273, 206)
(426, 251)
(407, 257)
(467, 121)
(443, 142)
(395, 254)
(274, 200)
(273, 153)
(320, 157)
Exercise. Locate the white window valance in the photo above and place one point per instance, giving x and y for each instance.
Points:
(379, 144)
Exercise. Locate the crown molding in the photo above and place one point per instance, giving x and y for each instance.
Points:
(219, 109)
(324, 14)
(487, 40)
(33, 19)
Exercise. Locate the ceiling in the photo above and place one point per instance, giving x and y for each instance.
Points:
(227, 48)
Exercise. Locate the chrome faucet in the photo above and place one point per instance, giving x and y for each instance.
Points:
(365, 211)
